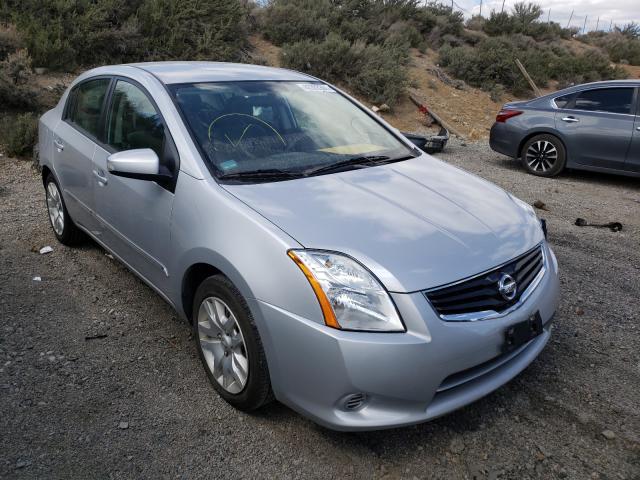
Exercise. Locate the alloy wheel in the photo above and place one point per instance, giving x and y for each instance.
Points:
(541, 156)
(223, 345)
(55, 208)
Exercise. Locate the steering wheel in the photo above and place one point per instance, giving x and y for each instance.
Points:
(247, 122)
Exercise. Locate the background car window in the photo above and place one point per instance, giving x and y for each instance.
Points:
(134, 121)
(613, 100)
(561, 102)
(87, 105)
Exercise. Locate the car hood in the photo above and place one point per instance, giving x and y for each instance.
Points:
(416, 224)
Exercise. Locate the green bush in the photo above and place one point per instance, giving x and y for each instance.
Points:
(492, 62)
(524, 18)
(375, 71)
(10, 41)
(17, 66)
(68, 33)
(379, 22)
(15, 93)
(618, 45)
(294, 21)
(20, 134)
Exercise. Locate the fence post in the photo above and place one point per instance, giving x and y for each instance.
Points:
(525, 74)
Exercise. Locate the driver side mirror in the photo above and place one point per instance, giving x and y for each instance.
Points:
(141, 164)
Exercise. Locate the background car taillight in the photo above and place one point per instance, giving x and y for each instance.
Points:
(505, 114)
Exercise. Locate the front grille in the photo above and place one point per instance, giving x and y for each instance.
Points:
(481, 293)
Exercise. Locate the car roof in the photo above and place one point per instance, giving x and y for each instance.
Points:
(193, 72)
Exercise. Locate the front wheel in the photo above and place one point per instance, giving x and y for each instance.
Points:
(544, 155)
(229, 345)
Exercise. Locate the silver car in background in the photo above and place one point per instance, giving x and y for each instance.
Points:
(321, 258)
(595, 127)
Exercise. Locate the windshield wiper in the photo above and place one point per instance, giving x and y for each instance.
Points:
(355, 161)
(266, 174)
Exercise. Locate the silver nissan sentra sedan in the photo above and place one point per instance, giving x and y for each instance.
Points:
(322, 259)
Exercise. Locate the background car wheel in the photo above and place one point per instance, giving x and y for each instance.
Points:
(544, 155)
(63, 227)
(229, 344)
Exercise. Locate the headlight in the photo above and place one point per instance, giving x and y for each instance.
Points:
(350, 297)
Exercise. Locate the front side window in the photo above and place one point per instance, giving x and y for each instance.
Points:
(133, 122)
(612, 100)
(86, 105)
(292, 128)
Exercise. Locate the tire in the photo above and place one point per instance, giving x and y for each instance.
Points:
(219, 347)
(62, 225)
(544, 156)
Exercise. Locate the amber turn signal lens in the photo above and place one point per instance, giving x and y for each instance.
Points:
(325, 306)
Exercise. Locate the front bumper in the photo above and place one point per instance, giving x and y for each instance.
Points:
(433, 368)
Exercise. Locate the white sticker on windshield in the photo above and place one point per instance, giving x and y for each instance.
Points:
(315, 87)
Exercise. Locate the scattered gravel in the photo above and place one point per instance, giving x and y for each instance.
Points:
(90, 349)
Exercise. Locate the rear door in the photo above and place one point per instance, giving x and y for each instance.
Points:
(135, 215)
(597, 126)
(74, 144)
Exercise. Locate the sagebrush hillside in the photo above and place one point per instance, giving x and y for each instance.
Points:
(370, 47)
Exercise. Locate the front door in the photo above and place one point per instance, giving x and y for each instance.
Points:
(597, 126)
(74, 142)
(135, 214)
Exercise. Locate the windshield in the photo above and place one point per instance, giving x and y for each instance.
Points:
(281, 130)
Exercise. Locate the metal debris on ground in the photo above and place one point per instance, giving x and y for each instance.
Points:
(96, 337)
(613, 226)
(446, 79)
(434, 143)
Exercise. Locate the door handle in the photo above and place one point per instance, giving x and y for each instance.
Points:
(570, 119)
(99, 174)
(638, 128)
(58, 144)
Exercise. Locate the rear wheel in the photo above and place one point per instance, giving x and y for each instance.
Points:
(544, 155)
(63, 227)
(229, 345)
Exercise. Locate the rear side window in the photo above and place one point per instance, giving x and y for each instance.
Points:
(86, 105)
(612, 100)
(561, 102)
(133, 121)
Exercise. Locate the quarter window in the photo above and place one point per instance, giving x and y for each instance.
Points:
(561, 102)
(612, 100)
(133, 121)
(86, 105)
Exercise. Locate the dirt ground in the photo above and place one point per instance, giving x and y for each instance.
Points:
(99, 379)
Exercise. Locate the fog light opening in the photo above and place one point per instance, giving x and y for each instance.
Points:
(354, 401)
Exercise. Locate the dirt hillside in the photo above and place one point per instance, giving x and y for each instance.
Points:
(470, 111)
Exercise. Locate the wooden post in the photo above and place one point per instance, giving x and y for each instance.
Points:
(549, 17)
(481, 8)
(435, 116)
(523, 70)
(597, 23)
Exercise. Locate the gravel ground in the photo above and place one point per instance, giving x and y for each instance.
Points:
(136, 402)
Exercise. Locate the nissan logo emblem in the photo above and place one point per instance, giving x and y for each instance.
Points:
(507, 287)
